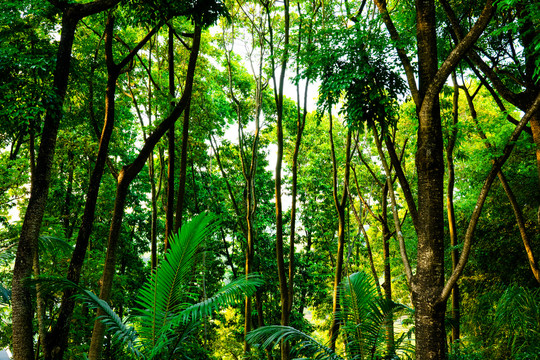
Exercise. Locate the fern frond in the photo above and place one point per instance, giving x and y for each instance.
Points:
(121, 331)
(163, 295)
(230, 294)
(267, 337)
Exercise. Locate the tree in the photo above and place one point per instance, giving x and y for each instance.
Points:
(125, 177)
(22, 308)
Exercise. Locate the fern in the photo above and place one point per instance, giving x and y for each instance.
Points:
(163, 295)
(362, 315)
(163, 299)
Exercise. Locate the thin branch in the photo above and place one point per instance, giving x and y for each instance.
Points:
(498, 163)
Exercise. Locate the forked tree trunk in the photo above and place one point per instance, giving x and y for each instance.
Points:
(57, 340)
(126, 176)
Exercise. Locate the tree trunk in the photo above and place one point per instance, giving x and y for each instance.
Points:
(340, 209)
(22, 311)
(429, 280)
(450, 209)
(169, 220)
(183, 170)
(387, 285)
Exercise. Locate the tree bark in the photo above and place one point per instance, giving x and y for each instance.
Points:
(429, 280)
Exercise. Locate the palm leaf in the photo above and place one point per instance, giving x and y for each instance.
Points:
(230, 294)
(53, 245)
(363, 315)
(163, 295)
(269, 336)
(120, 330)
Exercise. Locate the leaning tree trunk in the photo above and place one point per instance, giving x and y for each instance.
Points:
(57, 339)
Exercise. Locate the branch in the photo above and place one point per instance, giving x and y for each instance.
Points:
(405, 61)
(403, 182)
(482, 198)
(477, 60)
(455, 56)
(397, 222)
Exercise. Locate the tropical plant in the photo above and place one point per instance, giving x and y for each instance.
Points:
(165, 302)
(516, 325)
(362, 316)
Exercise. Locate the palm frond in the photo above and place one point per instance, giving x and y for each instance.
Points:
(230, 294)
(269, 336)
(363, 314)
(120, 330)
(52, 244)
(163, 295)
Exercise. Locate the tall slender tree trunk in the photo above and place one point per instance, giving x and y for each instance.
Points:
(183, 171)
(450, 210)
(387, 285)
(340, 204)
(169, 220)
(151, 172)
(278, 97)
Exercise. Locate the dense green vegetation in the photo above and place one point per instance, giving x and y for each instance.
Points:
(270, 180)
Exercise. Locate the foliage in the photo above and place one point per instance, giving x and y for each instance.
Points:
(164, 299)
(355, 68)
(362, 315)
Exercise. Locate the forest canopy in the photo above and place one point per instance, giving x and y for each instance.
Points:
(259, 179)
